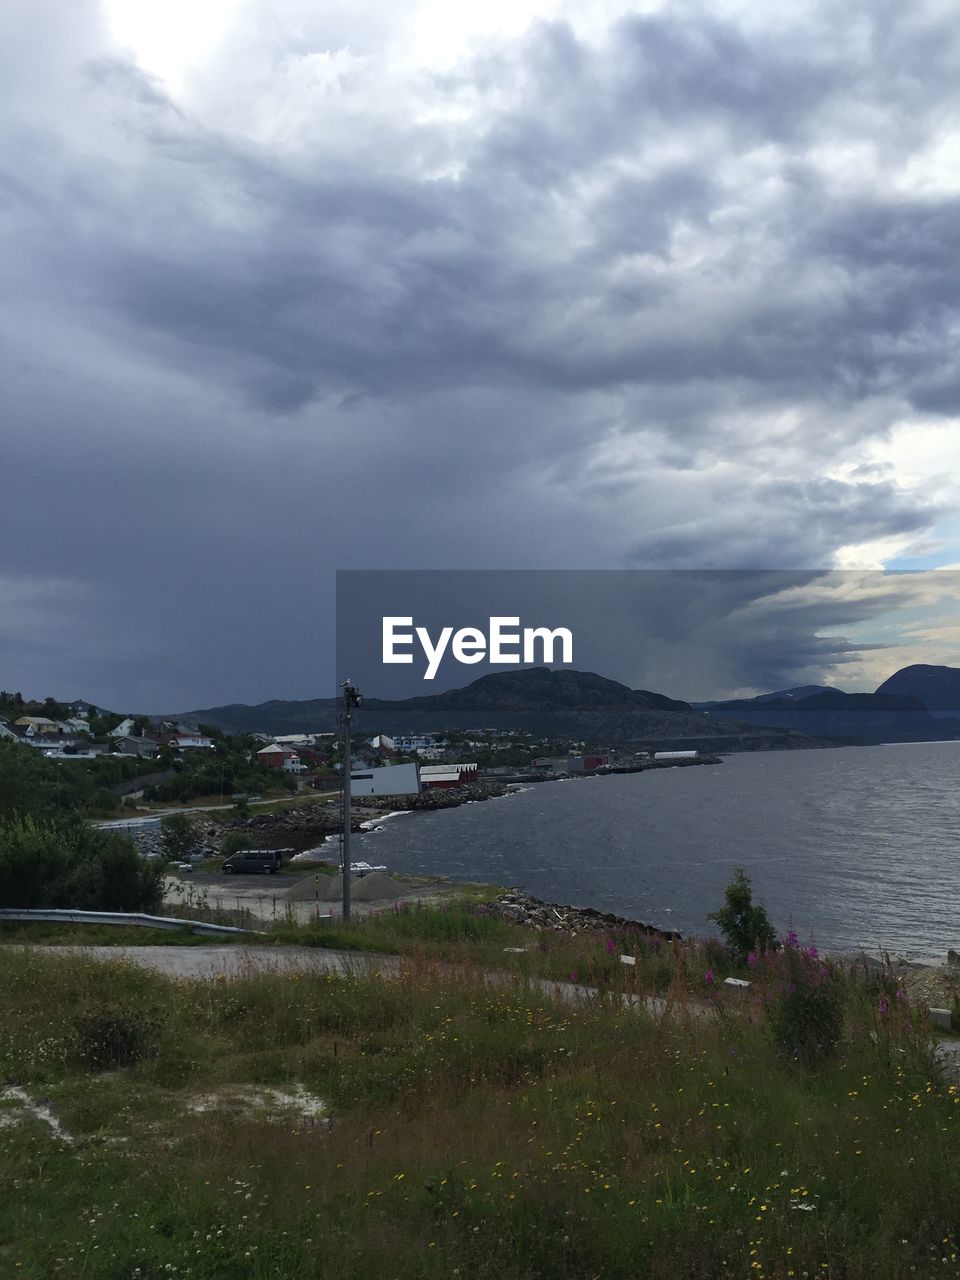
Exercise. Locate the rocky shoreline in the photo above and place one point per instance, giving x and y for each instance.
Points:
(925, 984)
(523, 908)
(310, 823)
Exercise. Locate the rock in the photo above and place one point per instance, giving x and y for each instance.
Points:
(941, 1018)
(521, 908)
(953, 957)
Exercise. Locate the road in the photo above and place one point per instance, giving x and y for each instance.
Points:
(242, 961)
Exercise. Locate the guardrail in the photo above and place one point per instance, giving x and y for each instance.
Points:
(136, 919)
(123, 824)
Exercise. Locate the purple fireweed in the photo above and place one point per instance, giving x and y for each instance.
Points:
(708, 977)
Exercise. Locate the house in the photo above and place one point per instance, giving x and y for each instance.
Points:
(124, 729)
(38, 724)
(7, 732)
(77, 724)
(47, 742)
(586, 764)
(190, 742)
(132, 746)
(391, 780)
(434, 777)
(383, 745)
(276, 755)
(408, 742)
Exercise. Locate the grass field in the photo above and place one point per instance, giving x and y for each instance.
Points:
(468, 1128)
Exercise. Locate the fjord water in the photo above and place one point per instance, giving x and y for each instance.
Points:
(853, 847)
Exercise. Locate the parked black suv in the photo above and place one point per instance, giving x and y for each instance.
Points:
(266, 861)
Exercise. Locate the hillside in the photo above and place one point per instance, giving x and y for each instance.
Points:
(856, 717)
(938, 688)
(571, 704)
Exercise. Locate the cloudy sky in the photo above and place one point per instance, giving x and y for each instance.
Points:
(294, 286)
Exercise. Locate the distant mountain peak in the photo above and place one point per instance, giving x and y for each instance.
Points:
(799, 692)
(937, 687)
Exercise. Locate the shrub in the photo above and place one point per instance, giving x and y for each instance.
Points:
(72, 864)
(233, 842)
(743, 923)
(804, 1000)
(177, 836)
(119, 1037)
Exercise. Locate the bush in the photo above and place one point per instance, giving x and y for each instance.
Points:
(233, 842)
(804, 1002)
(114, 1038)
(745, 925)
(72, 864)
(177, 836)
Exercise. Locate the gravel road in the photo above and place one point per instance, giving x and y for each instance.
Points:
(234, 961)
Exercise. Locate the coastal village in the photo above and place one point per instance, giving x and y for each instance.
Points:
(381, 764)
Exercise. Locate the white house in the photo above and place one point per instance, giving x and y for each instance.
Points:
(390, 780)
(191, 742)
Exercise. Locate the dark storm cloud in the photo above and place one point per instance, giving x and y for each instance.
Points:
(581, 299)
(801, 518)
(687, 633)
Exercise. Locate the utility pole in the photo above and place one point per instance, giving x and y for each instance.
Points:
(351, 699)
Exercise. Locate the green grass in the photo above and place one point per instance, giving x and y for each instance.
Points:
(452, 930)
(480, 1130)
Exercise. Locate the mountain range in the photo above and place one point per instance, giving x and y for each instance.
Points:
(917, 703)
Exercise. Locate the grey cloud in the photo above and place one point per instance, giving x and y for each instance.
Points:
(688, 633)
(622, 314)
(776, 519)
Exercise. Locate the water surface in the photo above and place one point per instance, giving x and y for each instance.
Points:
(854, 847)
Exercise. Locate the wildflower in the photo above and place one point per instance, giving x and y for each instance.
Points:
(708, 977)
(883, 1008)
(753, 959)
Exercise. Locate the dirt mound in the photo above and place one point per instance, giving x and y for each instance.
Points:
(312, 887)
(376, 886)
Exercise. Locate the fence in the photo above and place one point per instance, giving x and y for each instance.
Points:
(136, 919)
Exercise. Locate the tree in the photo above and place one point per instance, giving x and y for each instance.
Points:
(177, 836)
(28, 782)
(744, 924)
(72, 864)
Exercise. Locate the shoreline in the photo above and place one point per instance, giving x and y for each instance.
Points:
(934, 982)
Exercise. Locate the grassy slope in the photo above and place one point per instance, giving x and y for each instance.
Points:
(478, 1131)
